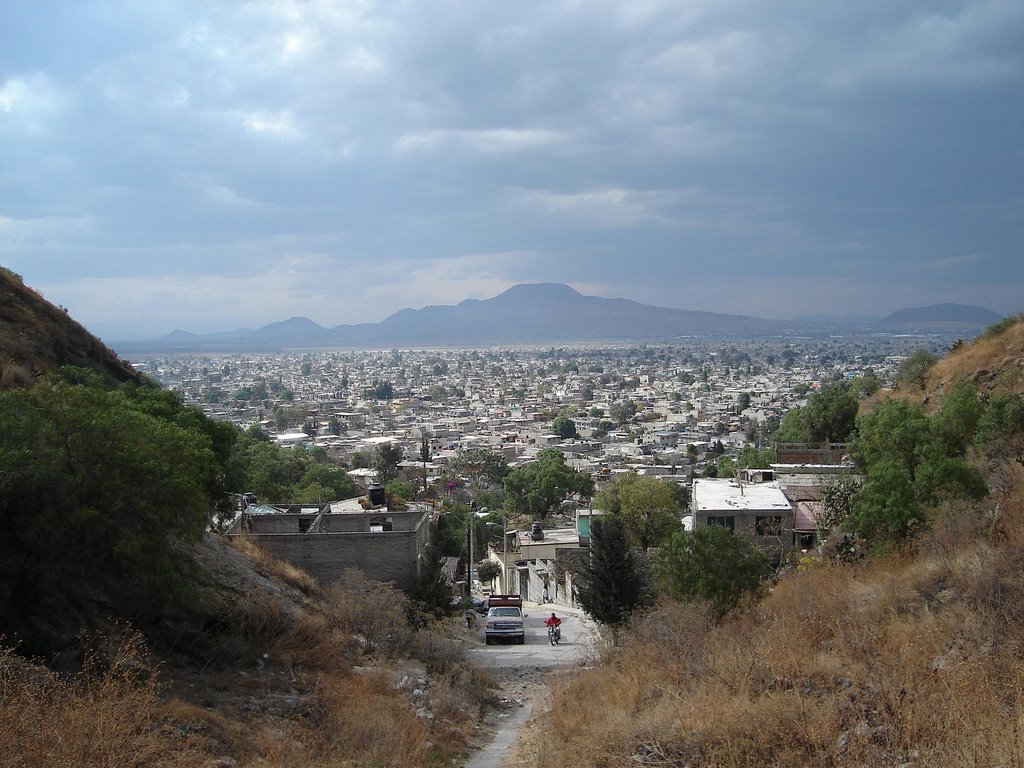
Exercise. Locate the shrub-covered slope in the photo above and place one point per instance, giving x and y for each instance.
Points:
(914, 657)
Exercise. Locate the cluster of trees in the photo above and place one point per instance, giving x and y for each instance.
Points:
(101, 487)
(829, 416)
(711, 566)
(259, 466)
(97, 489)
(538, 488)
(911, 462)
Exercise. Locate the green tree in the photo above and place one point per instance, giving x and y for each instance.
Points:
(565, 427)
(622, 411)
(909, 463)
(711, 565)
(831, 413)
(913, 372)
(793, 428)
(386, 458)
(483, 468)
(400, 489)
(829, 416)
(725, 467)
(488, 571)
(648, 507)
(1001, 419)
(434, 589)
(754, 458)
(610, 584)
(96, 497)
(539, 487)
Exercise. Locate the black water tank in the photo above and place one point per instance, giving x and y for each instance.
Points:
(376, 493)
(537, 532)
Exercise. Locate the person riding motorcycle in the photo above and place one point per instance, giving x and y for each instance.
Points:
(555, 622)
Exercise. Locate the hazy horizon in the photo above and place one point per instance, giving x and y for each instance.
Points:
(225, 165)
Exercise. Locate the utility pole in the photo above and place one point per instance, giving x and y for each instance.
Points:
(472, 521)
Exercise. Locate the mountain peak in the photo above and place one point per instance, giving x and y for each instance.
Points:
(936, 315)
(533, 294)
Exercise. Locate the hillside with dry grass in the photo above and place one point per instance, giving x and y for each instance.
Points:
(37, 338)
(268, 669)
(910, 658)
(231, 658)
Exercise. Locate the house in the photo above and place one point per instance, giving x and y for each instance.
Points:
(752, 506)
(385, 543)
(804, 485)
(529, 563)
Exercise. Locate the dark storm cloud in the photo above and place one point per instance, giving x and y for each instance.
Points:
(766, 158)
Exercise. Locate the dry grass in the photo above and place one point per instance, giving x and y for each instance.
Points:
(991, 363)
(107, 716)
(913, 660)
(270, 566)
(345, 680)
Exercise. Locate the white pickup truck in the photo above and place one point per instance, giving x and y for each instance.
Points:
(504, 618)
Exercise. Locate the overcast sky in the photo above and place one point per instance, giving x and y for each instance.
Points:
(215, 165)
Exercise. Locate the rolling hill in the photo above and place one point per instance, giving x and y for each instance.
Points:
(37, 338)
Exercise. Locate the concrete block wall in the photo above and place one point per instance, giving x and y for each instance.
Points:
(392, 556)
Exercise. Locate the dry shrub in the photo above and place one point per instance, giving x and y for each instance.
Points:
(365, 720)
(261, 621)
(107, 716)
(915, 659)
(200, 730)
(268, 565)
(375, 615)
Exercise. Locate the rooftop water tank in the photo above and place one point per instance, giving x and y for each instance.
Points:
(376, 494)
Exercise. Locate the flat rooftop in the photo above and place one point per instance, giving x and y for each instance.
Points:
(713, 494)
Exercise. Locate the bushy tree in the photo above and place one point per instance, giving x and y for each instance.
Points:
(400, 489)
(386, 458)
(610, 584)
(909, 463)
(539, 487)
(710, 564)
(1002, 419)
(565, 427)
(622, 411)
(488, 571)
(830, 415)
(648, 507)
(913, 372)
(96, 495)
(482, 467)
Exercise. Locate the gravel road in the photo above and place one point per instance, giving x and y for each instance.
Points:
(523, 670)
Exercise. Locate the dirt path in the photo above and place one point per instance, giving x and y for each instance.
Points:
(522, 671)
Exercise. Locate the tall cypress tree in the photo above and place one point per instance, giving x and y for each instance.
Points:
(434, 592)
(611, 585)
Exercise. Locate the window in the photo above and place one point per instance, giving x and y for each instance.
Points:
(768, 525)
(726, 521)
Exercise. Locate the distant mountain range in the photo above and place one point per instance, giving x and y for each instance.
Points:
(941, 317)
(534, 314)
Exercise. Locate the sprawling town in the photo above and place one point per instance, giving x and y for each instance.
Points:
(670, 412)
(630, 406)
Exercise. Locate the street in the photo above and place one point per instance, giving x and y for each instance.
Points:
(577, 642)
(522, 671)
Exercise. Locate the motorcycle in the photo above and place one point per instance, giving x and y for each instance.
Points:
(554, 633)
